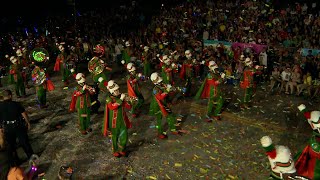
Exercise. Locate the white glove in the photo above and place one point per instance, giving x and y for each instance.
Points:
(202, 62)
(122, 62)
(100, 79)
(302, 107)
(139, 75)
(7, 56)
(257, 67)
(158, 55)
(84, 87)
(223, 75)
(72, 70)
(122, 97)
(194, 60)
(169, 87)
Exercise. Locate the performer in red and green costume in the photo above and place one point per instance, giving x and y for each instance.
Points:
(82, 102)
(167, 70)
(127, 52)
(25, 66)
(16, 77)
(210, 89)
(248, 83)
(61, 66)
(42, 84)
(146, 58)
(116, 119)
(134, 89)
(159, 106)
(187, 71)
(280, 159)
(308, 161)
(99, 68)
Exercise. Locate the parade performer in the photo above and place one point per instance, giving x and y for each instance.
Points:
(248, 83)
(210, 88)
(127, 52)
(25, 66)
(187, 71)
(159, 106)
(307, 162)
(281, 161)
(40, 78)
(82, 102)
(116, 119)
(146, 58)
(134, 89)
(61, 65)
(16, 77)
(98, 68)
(167, 69)
(42, 84)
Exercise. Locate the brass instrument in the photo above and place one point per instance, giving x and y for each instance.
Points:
(39, 55)
(96, 65)
(130, 99)
(38, 76)
(89, 88)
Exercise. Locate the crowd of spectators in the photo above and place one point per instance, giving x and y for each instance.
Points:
(285, 29)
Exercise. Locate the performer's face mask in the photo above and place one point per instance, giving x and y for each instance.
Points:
(116, 92)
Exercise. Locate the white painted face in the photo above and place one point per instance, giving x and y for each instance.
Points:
(13, 59)
(19, 53)
(283, 162)
(80, 78)
(314, 120)
(155, 78)
(127, 43)
(113, 88)
(61, 48)
(188, 54)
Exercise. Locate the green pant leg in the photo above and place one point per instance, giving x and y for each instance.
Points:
(83, 121)
(159, 122)
(250, 93)
(219, 105)
(210, 106)
(22, 88)
(65, 74)
(246, 96)
(16, 87)
(171, 119)
(147, 69)
(123, 139)
(114, 137)
(86, 122)
(41, 95)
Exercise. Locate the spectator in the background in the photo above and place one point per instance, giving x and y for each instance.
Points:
(306, 84)
(294, 81)
(275, 78)
(285, 77)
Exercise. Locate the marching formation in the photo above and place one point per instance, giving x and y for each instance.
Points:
(121, 105)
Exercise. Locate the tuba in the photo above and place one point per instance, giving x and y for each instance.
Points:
(39, 55)
(96, 66)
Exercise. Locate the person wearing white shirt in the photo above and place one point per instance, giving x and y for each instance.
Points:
(285, 77)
